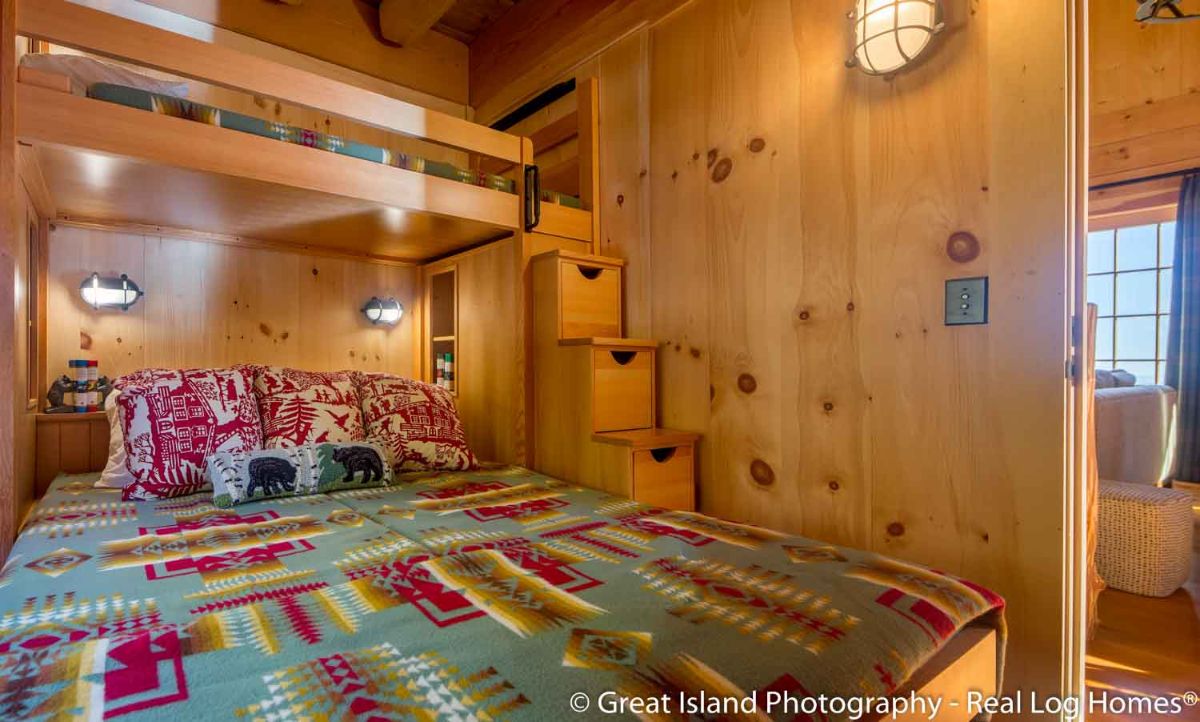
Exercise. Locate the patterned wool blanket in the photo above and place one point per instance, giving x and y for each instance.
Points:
(495, 594)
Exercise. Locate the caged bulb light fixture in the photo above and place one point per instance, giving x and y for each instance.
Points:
(890, 34)
(386, 311)
(109, 291)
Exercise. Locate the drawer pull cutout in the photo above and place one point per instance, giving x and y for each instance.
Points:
(589, 273)
(623, 357)
(663, 455)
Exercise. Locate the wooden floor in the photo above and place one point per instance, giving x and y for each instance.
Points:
(1147, 646)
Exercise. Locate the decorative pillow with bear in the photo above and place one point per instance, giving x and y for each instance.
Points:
(417, 421)
(247, 476)
(173, 420)
(305, 407)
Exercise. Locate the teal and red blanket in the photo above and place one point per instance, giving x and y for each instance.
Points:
(495, 594)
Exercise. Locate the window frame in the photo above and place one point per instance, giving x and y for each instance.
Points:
(1115, 273)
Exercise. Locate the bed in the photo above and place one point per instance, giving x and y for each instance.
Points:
(181, 108)
(493, 594)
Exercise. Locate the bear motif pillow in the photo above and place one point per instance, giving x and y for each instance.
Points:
(247, 476)
(417, 421)
(306, 407)
(173, 420)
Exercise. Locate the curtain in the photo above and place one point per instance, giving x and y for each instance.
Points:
(1183, 339)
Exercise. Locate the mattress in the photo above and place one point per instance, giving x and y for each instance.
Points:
(493, 594)
(189, 110)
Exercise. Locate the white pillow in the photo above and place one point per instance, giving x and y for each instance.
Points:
(116, 474)
(85, 72)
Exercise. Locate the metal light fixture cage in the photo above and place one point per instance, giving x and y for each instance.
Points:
(386, 311)
(890, 34)
(109, 291)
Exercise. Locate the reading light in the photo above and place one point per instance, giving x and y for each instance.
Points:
(386, 311)
(109, 291)
(889, 34)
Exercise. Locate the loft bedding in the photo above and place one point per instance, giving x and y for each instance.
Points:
(181, 108)
(489, 594)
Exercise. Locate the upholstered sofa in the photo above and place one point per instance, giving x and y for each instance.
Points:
(1135, 432)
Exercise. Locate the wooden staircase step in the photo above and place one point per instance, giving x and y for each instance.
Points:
(647, 438)
(616, 344)
(582, 258)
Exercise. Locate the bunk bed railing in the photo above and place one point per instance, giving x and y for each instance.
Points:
(94, 31)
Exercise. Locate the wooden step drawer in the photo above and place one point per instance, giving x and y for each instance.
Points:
(590, 295)
(622, 389)
(664, 477)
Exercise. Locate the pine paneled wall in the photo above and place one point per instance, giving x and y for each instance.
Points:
(212, 304)
(785, 220)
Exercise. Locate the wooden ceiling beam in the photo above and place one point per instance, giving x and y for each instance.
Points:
(403, 22)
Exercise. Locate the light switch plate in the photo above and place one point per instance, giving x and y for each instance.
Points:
(967, 301)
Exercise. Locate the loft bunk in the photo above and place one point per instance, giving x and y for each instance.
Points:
(106, 162)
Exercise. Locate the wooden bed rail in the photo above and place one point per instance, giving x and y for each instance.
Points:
(94, 31)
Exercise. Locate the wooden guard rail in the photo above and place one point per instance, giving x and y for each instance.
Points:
(94, 31)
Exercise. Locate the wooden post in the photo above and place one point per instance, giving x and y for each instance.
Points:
(523, 250)
(587, 92)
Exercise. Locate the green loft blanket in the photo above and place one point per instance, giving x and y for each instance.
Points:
(495, 594)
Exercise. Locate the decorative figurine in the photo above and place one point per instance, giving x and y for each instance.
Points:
(57, 393)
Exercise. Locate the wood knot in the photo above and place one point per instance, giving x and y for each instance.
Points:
(315, 271)
(803, 315)
(85, 341)
(696, 155)
(895, 529)
(264, 329)
(284, 336)
(850, 306)
(962, 247)
(746, 383)
(712, 157)
(762, 473)
(674, 174)
(756, 145)
(828, 406)
(722, 170)
(834, 485)
(620, 199)
(695, 352)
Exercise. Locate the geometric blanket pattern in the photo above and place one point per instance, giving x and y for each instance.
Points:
(480, 595)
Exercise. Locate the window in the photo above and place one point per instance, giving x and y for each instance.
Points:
(1129, 280)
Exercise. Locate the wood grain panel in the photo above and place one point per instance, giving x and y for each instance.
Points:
(1135, 64)
(209, 304)
(9, 233)
(796, 263)
(344, 32)
(1145, 93)
(488, 368)
(69, 444)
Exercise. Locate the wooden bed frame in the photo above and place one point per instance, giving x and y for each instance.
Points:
(102, 162)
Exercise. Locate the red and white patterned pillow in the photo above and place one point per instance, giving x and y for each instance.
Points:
(416, 421)
(172, 420)
(305, 407)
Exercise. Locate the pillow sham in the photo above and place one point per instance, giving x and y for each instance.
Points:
(306, 407)
(116, 474)
(173, 420)
(418, 423)
(245, 476)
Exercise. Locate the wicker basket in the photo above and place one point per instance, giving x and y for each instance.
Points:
(1145, 544)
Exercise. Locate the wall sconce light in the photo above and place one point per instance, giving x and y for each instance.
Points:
(386, 311)
(889, 34)
(109, 291)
